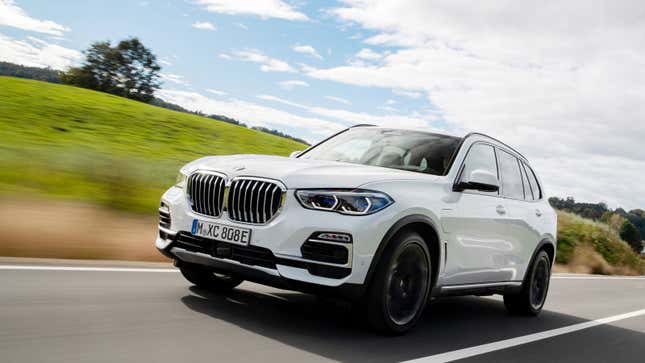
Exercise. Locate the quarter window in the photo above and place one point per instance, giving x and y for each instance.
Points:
(537, 193)
(528, 193)
(482, 157)
(511, 176)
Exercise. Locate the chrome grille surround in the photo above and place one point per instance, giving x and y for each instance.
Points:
(205, 191)
(254, 200)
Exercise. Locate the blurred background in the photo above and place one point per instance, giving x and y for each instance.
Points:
(101, 103)
(82, 171)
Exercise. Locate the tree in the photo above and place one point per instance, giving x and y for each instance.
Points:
(629, 234)
(637, 217)
(41, 74)
(129, 70)
(587, 210)
(614, 220)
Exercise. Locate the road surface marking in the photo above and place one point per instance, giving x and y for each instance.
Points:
(508, 343)
(595, 277)
(81, 268)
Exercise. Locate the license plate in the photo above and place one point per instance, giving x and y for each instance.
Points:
(221, 232)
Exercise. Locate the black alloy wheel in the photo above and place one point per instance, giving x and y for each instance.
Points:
(401, 285)
(530, 300)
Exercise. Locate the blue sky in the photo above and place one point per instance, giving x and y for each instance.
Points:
(560, 81)
(195, 57)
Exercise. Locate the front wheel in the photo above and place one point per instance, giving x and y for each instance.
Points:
(210, 280)
(530, 300)
(401, 285)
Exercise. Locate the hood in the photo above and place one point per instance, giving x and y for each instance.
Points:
(300, 173)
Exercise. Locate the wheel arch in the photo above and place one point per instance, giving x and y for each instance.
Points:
(421, 224)
(547, 245)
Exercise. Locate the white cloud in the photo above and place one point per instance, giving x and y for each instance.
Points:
(165, 62)
(291, 84)
(565, 84)
(410, 94)
(281, 100)
(262, 8)
(268, 64)
(338, 99)
(242, 26)
(387, 108)
(306, 49)
(36, 52)
(217, 92)
(12, 15)
(204, 25)
(413, 120)
(173, 78)
(248, 112)
(368, 54)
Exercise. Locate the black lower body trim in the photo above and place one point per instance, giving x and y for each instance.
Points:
(251, 256)
(481, 289)
(346, 291)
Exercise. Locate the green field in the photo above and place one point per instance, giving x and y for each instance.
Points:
(595, 245)
(72, 143)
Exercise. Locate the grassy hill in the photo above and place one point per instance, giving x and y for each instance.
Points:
(594, 247)
(72, 143)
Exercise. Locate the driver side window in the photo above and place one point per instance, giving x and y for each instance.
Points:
(482, 157)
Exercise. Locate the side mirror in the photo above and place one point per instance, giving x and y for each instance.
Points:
(295, 154)
(480, 180)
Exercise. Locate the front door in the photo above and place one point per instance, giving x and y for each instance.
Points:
(477, 241)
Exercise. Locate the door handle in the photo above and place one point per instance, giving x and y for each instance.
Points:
(500, 209)
(538, 213)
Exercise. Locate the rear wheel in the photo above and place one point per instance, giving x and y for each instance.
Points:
(400, 288)
(530, 300)
(207, 279)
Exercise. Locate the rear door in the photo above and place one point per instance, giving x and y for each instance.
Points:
(535, 216)
(521, 233)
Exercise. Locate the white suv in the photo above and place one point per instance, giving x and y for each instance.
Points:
(387, 218)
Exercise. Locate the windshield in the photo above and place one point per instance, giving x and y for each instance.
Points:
(389, 148)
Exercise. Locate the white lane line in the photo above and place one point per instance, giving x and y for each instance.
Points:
(81, 268)
(508, 343)
(591, 277)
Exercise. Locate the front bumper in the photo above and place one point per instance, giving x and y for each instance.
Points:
(275, 249)
(258, 274)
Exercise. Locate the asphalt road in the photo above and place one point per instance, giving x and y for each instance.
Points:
(139, 315)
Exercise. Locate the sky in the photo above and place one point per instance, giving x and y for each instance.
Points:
(561, 81)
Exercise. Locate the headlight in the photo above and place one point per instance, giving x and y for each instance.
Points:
(181, 180)
(353, 202)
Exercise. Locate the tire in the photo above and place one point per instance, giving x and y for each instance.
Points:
(210, 280)
(530, 300)
(398, 293)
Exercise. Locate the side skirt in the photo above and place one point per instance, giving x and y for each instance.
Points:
(488, 288)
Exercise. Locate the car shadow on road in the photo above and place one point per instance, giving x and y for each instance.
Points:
(330, 329)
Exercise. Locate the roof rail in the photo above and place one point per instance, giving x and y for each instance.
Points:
(361, 125)
(492, 138)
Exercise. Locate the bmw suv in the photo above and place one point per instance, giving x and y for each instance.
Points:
(386, 218)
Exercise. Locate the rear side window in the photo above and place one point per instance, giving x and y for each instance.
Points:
(528, 192)
(482, 157)
(511, 176)
(535, 187)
